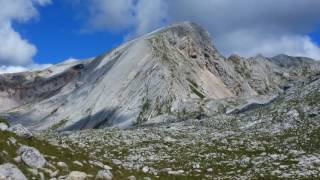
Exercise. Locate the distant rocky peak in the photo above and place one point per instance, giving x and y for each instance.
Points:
(185, 28)
(187, 35)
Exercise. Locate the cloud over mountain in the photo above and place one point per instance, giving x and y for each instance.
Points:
(247, 27)
(16, 50)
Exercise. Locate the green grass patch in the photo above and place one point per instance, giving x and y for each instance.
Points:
(192, 82)
(59, 124)
(54, 154)
(144, 111)
(197, 92)
(2, 120)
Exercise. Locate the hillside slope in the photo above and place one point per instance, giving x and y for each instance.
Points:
(277, 141)
(174, 71)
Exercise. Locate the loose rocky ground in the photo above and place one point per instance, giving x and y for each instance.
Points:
(280, 140)
(270, 140)
(30, 158)
(200, 151)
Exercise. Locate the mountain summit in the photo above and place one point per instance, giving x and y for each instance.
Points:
(170, 74)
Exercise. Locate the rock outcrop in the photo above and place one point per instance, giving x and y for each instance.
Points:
(31, 157)
(20, 130)
(104, 175)
(10, 171)
(77, 175)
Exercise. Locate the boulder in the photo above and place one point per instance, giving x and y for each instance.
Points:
(96, 163)
(12, 140)
(145, 169)
(34, 172)
(77, 175)
(3, 126)
(107, 167)
(21, 131)
(104, 175)
(54, 173)
(169, 139)
(63, 166)
(31, 157)
(17, 159)
(176, 173)
(78, 163)
(131, 178)
(10, 171)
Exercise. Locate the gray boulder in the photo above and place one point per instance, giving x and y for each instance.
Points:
(11, 172)
(20, 130)
(77, 175)
(31, 156)
(3, 126)
(63, 166)
(104, 175)
(131, 178)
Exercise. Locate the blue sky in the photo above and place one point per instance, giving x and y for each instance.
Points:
(39, 32)
(315, 36)
(58, 35)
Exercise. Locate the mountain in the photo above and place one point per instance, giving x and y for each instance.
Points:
(276, 140)
(184, 112)
(174, 71)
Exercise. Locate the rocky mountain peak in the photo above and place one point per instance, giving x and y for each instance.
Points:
(189, 29)
(174, 71)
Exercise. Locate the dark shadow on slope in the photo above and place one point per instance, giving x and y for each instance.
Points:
(95, 74)
(19, 118)
(105, 118)
(252, 106)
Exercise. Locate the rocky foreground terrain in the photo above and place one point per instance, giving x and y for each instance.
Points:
(166, 105)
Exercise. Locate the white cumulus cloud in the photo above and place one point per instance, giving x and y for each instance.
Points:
(4, 69)
(135, 17)
(247, 27)
(110, 14)
(16, 50)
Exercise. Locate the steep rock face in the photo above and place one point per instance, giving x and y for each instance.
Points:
(169, 71)
(128, 85)
(271, 75)
(21, 88)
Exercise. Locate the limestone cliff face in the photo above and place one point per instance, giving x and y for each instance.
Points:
(31, 87)
(163, 72)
